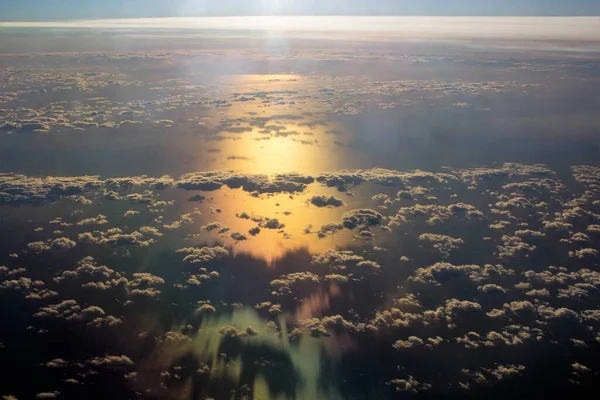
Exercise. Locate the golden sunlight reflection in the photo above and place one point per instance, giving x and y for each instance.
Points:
(252, 138)
(301, 219)
(259, 138)
(249, 80)
(277, 154)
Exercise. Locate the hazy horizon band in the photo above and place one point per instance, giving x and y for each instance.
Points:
(522, 28)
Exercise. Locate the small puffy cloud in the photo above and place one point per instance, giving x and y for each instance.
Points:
(361, 218)
(577, 367)
(47, 395)
(491, 288)
(593, 228)
(130, 213)
(56, 363)
(514, 246)
(458, 307)
(69, 310)
(231, 331)
(211, 226)
(442, 272)
(411, 342)
(368, 264)
(324, 201)
(271, 223)
(97, 220)
(238, 237)
(442, 243)
(143, 284)
(206, 308)
(538, 293)
(37, 246)
(584, 253)
(502, 372)
(327, 326)
(62, 243)
(285, 283)
(409, 385)
(112, 362)
(115, 237)
(203, 254)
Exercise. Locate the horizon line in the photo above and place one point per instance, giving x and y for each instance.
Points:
(548, 16)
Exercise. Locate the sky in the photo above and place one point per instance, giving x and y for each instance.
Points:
(43, 10)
